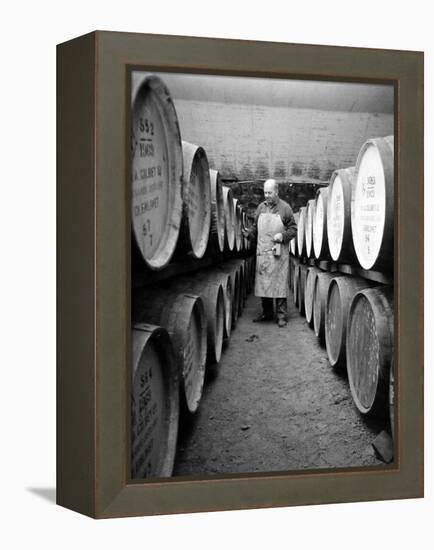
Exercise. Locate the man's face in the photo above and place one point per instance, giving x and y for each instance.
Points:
(270, 192)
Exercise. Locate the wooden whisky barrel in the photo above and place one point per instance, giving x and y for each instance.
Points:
(321, 285)
(183, 316)
(319, 229)
(370, 348)
(154, 402)
(217, 231)
(301, 243)
(196, 209)
(340, 293)
(213, 300)
(156, 173)
(223, 279)
(235, 278)
(339, 236)
(238, 266)
(309, 227)
(308, 293)
(372, 205)
(228, 204)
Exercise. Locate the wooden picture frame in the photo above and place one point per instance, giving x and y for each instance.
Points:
(94, 274)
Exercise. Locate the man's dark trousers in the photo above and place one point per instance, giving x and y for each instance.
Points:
(281, 308)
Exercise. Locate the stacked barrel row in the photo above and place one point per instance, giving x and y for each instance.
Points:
(179, 327)
(180, 209)
(351, 222)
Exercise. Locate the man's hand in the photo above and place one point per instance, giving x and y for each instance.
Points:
(245, 233)
(278, 238)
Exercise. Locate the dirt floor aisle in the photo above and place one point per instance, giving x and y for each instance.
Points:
(273, 404)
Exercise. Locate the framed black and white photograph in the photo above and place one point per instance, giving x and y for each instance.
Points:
(261, 334)
(247, 296)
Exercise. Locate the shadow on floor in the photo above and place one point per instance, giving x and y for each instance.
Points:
(47, 493)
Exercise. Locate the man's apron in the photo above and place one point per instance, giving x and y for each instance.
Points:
(271, 279)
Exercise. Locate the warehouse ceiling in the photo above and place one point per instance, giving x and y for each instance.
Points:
(297, 94)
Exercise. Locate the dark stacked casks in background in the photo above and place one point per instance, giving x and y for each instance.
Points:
(238, 225)
(217, 234)
(349, 269)
(228, 205)
(189, 284)
(301, 288)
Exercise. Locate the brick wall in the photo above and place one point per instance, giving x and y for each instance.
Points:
(256, 142)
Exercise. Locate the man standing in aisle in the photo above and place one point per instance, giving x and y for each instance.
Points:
(273, 228)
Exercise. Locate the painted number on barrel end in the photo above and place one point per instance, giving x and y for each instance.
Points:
(150, 175)
(369, 208)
